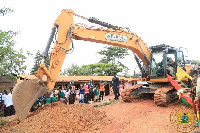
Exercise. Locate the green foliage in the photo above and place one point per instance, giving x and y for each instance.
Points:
(38, 60)
(74, 69)
(112, 53)
(106, 66)
(107, 103)
(125, 73)
(5, 11)
(97, 69)
(100, 69)
(11, 61)
(3, 123)
(11, 76)
(6, 38)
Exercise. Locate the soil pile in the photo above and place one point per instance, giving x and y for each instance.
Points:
(58, 117)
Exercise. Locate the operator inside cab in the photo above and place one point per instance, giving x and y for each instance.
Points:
(170, 66)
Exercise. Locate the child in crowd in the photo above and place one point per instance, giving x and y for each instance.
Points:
(52, 93)
(96, 91)
(121, 87)
(35, 105)
(56, 91)
(54, 98)
(73, 92)
(40, 103)
(81, 94)
(48, 100)
(91, 91)
(86, 92)
(60, 95)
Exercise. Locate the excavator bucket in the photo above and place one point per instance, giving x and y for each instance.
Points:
(25, 94)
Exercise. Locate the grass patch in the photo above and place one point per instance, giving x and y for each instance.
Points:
(3, 123)
(106, 103)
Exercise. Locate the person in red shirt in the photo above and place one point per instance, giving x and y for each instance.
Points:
(86, 88)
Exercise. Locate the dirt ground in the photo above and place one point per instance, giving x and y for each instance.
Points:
(139, 117)
(119, 117)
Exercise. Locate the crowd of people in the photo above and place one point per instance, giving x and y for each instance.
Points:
(87, 92)
(91, 92)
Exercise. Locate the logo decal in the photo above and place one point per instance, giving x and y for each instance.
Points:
(115, 37)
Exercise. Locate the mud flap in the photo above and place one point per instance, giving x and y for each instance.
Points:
(25, 94)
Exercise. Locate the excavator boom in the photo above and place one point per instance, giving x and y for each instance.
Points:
(26, 93)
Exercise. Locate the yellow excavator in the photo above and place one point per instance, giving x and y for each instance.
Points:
(153, 62)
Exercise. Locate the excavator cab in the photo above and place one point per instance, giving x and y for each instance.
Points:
(164, 60)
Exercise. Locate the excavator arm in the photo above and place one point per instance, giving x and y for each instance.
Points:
(67, 31)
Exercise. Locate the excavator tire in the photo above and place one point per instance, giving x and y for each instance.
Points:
(25, 94)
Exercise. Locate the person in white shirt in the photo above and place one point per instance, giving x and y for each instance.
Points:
(5, 99)
(67, 94)
(12, 110)
(52, 93)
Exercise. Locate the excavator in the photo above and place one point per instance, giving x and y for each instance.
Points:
(153, 61)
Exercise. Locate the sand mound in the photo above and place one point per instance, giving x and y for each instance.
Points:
(58, 117)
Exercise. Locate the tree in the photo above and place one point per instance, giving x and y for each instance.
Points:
(108, 65)
(71, 71)
(112, 55)
(11, 61)
(5, 11)
(97, 69)
(38, 60)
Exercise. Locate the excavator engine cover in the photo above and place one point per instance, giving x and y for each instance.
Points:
(25, 94)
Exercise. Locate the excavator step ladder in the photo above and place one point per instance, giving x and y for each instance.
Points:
(178, 84)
